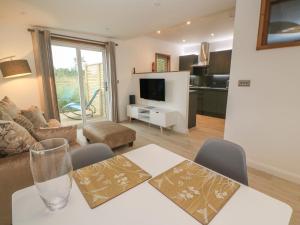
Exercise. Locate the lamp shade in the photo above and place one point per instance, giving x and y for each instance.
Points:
(15, 68)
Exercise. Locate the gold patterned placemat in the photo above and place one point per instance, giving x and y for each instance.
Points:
(200, 192)
(105, 180)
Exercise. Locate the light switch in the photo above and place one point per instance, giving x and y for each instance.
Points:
(244, 83)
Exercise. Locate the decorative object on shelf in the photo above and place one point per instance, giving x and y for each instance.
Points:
(51, 168)
(105, 180)
(133, 70)
(153, 67)
(197, 190)
(279, 24)
(14, 68)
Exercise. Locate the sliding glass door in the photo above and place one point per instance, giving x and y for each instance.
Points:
(81, 82)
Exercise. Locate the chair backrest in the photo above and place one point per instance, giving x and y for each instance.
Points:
(224, 157)
(90, 154)
(92, 98)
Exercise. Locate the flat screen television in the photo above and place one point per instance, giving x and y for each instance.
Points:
(152, 89)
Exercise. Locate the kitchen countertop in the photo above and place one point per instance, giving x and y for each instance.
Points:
(207, 88)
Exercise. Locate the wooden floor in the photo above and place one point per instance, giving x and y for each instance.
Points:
(188, 145)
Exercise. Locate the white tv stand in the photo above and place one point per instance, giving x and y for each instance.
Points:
(163, 118)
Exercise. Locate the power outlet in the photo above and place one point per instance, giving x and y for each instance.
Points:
(244, 83)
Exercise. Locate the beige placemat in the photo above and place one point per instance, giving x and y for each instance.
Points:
(105, 180)
(200, 192)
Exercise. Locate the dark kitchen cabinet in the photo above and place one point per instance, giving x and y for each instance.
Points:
(186, 61)
(220, 62)
(199, 101)
(212, 102)
(222, 103)
(192, 109)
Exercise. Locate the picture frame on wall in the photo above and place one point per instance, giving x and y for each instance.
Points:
(279, 24)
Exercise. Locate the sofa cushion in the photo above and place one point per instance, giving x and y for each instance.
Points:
(68, 132)
(35, 116)
(14, 138)
(9, 107)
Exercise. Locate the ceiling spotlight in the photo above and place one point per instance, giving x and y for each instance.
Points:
(183, 40)
(212, 34)
(188, 22)
(158, 32)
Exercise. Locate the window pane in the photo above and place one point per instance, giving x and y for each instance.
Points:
(162, 63)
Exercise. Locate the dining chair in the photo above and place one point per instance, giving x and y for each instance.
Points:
(224, 157)
(90, 154)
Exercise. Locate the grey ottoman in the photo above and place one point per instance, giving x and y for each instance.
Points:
(110, 133)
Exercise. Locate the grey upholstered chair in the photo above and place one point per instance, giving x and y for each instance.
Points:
(224, 157)
(90, 154)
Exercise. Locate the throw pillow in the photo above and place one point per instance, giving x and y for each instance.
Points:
(5, 116)
(35, 116)
(53, 123)
(9, 107)
(14, 138)
(24, 122)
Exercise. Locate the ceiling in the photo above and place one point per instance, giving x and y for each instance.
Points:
(211, 28)
(112, 18)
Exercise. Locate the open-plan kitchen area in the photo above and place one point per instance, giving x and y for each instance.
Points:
(209, 82)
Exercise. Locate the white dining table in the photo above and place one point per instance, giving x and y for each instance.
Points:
(144, 205)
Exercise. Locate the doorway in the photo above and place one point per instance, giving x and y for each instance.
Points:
(81, 82)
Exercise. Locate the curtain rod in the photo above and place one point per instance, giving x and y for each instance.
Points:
(61, 36)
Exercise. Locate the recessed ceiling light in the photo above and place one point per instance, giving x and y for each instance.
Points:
(183, 40)
(188, 22)
(158, 32)
(212, 34)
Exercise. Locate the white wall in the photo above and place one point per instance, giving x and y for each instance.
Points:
(265, 118)
(213, 47)
(139, 53)
(177, 95)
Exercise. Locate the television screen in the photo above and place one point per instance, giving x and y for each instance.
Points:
(152, 89)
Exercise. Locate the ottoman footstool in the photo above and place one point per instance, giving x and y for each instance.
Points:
(110, 133)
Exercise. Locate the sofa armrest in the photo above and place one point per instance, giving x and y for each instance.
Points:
(68, 132)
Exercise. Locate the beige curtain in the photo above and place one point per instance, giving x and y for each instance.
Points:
(111, 69)
(41, 41)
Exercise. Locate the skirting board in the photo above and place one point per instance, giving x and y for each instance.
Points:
(293, 177)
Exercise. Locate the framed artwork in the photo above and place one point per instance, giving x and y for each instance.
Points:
(279, 24)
